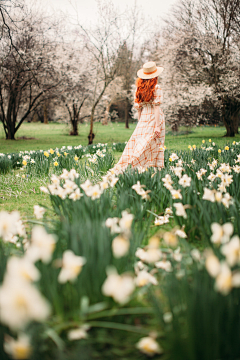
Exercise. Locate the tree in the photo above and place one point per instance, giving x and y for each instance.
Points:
(103, 44)
(28, 73)
(76, 83)
(205, 35)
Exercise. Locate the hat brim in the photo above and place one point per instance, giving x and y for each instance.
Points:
(142, 75)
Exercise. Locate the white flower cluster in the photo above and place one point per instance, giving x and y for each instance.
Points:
(71, 189)
(11, 227)
(121, 226)
(225, 277)
(140, 191)
(20, 300)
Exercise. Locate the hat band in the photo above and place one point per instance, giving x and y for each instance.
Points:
(149, 73)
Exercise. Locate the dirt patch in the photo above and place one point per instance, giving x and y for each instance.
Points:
(26, 138)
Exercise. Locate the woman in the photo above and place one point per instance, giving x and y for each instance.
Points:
(145, 148)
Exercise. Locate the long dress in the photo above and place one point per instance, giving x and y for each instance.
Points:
(144, 149)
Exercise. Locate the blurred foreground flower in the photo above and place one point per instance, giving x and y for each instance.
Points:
(20, 303)
(149, 346)
(39, 211)
(19, 349)
(8, 224)
(120, 246)
(79, 333)
(221, 234)
(119, 287)
(42, 245)
(71, 266)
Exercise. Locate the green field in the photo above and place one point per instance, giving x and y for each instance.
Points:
(19, 194)
(56, 135)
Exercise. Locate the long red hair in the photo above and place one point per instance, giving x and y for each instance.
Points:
(145, 89)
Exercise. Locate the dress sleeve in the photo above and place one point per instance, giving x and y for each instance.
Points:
(137, 106)
(158, 96)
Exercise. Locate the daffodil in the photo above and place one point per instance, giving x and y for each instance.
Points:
(180, 210)
(39, 211)
(71, 266)
(120, 246)
(149, 346)
(18, 349)
(119, 287)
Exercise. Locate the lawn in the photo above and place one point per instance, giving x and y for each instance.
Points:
(56, 135)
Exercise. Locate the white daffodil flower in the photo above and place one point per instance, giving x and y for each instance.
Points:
(69, 186)
(149, 346)
(125, 222)
(42, 245)
(76, 195)
(94, 192)
(143, 278)
(185, 181)
(164, 265)
(209, 195)
(180, 210)
(79, 333)
(212, 264)
(160, 220)
(86, 185)
(223, 282)
(221, 234)
(22, 268)
(176, 194)
(232, 251)
(39, 211)
(178, 171)
(119, 287)
(8, 223)
(120, 246)
(19, 348)
(20, 303)
(71, 266)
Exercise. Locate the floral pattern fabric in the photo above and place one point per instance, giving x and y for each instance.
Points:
(144, 149)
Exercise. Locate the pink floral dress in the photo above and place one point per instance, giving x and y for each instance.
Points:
(144, 149)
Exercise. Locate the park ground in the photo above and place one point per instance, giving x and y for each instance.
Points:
(23, 195)
(45, 136)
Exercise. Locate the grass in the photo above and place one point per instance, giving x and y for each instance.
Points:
(56, 135)
(21, 194)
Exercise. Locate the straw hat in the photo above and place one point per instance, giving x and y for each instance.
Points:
(149, 71)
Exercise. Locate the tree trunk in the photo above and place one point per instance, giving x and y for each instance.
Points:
(106, 118)
(10, 131)
(35, 118)
(91, 135)
(10, 134)
(45, 114)
(229, 127)
(236, 122)
(74, 130)
(126, 114)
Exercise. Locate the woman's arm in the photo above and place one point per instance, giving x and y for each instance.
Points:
(157, 115)
(157, 119)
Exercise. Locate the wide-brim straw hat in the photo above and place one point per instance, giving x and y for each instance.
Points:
(150, 71)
